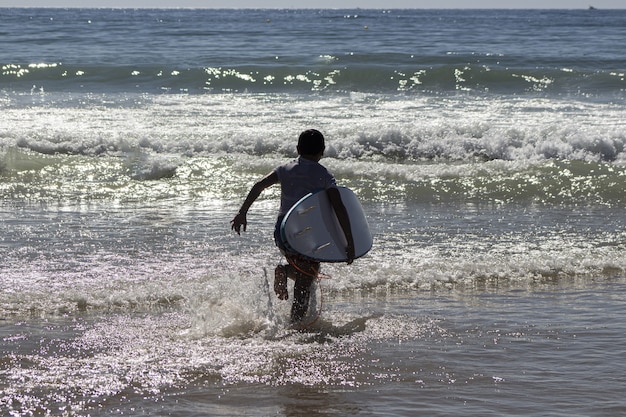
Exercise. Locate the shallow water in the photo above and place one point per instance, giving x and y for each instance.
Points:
(553, 349)
(492, 173)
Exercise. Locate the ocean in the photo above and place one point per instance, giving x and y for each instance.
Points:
(487, 148)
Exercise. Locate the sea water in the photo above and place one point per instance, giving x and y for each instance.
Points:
(487, 148)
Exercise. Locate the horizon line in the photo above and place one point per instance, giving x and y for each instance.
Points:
(590, 8)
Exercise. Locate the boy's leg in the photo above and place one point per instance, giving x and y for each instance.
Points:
(280, 282)
(301, 296)
(304, 273)
(282, 271)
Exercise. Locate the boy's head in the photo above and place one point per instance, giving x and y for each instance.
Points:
(311, 142)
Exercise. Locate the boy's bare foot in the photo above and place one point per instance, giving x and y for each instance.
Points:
(280, 282)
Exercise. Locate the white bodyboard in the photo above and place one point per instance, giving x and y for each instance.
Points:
(311, 228)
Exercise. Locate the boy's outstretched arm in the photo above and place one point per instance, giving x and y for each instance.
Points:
(255, 192)
(344, 220)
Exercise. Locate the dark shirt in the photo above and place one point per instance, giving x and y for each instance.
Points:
(299, 178)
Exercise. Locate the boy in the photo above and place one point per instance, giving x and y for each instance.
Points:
(297, 179)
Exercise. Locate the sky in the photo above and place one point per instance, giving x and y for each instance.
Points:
(323, 4)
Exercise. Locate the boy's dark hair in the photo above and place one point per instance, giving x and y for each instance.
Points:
(311, 142)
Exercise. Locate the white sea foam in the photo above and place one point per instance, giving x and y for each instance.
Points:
(356, 127)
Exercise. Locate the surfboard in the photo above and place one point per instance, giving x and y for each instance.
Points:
(311, 227)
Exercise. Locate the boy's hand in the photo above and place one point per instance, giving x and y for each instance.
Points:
(350, 253)
(238, 221)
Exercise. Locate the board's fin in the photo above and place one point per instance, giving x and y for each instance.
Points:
(325, 245)
(303, 231)
(306, 210)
